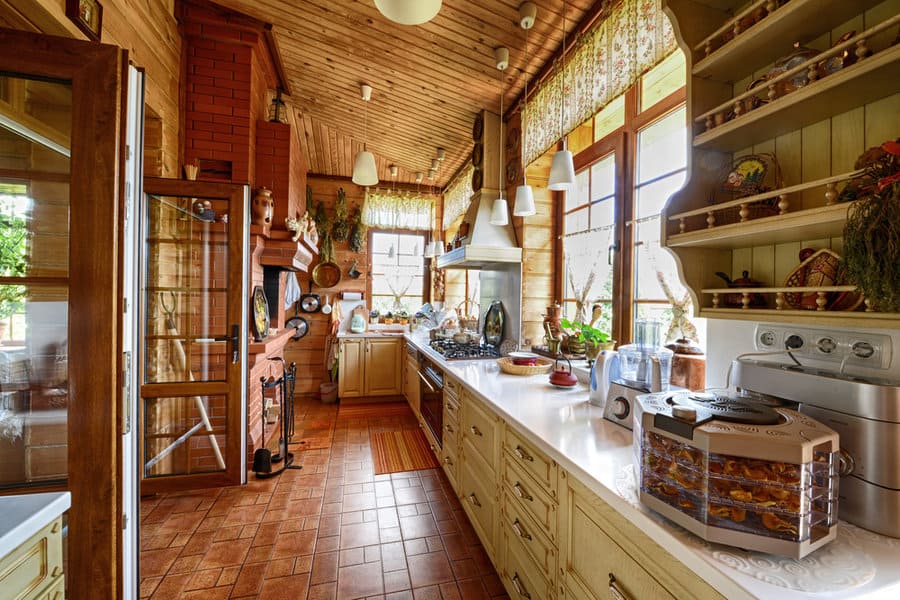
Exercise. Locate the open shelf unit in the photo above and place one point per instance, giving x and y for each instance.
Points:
(738, 106)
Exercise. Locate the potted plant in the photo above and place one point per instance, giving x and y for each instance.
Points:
(389, 318)
(588, 339)
(403, 317)
(373, 316)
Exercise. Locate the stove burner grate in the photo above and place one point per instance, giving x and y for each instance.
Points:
(451, 350)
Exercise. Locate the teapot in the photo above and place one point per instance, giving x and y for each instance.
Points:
(563, 376)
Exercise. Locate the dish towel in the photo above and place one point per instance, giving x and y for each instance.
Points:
(292, 290)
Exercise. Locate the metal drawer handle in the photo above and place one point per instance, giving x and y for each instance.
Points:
(614, 589)
(521, 493)
(523, 455)
(448, 461)
(56, 571)
(426, 382)
(476, 431)
(55, 527)
(449, 428)
(474, 500)
(517, 583)
(519, 531)
(450, 407)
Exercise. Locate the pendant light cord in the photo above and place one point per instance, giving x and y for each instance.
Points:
(562, 100)
(524, 109)
(500, 181)
(365, 125)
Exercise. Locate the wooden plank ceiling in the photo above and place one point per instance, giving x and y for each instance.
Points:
(429, 81)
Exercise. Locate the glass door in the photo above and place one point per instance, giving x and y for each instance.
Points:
(194, 335)
(62, 114)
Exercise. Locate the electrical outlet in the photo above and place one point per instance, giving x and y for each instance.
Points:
(767, 339)
(871, 350)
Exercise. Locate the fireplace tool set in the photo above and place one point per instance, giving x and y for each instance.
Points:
(263, 459)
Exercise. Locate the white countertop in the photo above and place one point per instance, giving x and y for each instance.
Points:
(23, 516)
(858, 564)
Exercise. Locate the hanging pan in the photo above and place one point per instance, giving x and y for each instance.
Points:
(310, 302)
(326, 275)
(297, 323)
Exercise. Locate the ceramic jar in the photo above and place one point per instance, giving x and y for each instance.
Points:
(262, 207)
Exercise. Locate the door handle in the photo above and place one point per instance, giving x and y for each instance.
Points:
(520, 589)
(476, 431)
(521, 493)
(522, 454)
(519, 531)
(425, 381)
(615, 591)
(474, 500)
(233, 338)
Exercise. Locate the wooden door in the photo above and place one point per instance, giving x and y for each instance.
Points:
(62, 102)
(383, 365)
(194, 331)
(351, 367)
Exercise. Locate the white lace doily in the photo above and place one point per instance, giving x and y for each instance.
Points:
(838, 566)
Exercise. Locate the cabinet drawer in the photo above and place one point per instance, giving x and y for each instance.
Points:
(479, 497)
(480, 428)
(522, 530)
(56, 591)
(451, 407)
(450, 462)
(525, 493)
(451, 387)
(531, 460)
(32, 565)
(521, 575)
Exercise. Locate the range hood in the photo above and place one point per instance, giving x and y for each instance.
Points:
(486, 244)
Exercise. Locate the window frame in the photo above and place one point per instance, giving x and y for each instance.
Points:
(623, 141)
(426, 271)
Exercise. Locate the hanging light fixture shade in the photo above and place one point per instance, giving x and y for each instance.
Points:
(524, 206)
(429, 250)
(562, 169)
(364, 170)
(500, 212)
(409, 12)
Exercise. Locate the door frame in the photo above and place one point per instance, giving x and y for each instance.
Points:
(96, 196)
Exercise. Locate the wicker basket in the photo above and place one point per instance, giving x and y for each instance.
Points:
(507, 366)
(748, 176)
(463, 310)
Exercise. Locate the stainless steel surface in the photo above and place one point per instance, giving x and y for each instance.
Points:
(869, 506)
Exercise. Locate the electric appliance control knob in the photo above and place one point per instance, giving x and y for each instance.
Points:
(620, 408)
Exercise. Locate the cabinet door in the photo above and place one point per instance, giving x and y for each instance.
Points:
(411, 386)
(382, 367)
(350, 368)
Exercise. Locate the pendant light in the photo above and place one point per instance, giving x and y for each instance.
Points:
(409, 12)
(364, 170)
(562, 169)
(500, 209)
(524, 206)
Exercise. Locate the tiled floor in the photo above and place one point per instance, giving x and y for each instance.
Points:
(330, 530)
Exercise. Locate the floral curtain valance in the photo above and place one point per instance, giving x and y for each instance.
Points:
(388, 209)
(457, 196)
(608, 59)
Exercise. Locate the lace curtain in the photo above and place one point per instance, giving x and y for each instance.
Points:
(386, 209)
(457, 196)
(607, 60)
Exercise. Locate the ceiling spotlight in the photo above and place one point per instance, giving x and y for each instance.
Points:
(419, 177)
(441, 154)
(431, 174)
(394, 170)
(409, 12)
(501, 57)
(435, 163)
(527, 14)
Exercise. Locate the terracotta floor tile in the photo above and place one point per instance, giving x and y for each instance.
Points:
(449, 591)
(199, 543)
(455, 546)
(281, 567)
(351, 556)
(229, 575)
(359, 534)
(148, 586)
(155, 563)
(322, 591)
(404, 595)
(396, 581)
(285, 588)
(171, 587)
(221, 593)
(249, 580)
(225, 554)
(295, 543)
(360, 581)
(303, 564)
(416, 546)
(328, 544)
(431, 592)
(472, 589)
(465, 568)
(324, 568)
(185, 564)
(203, 579)
(429, 569)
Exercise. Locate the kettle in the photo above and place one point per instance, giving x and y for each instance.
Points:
(563, 377)
(604, 370)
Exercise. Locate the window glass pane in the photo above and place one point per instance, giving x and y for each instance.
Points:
(603, 213)
(662, 146)
(663, 79)
(610, 118)
(603, 178)
(651, 198)
(398, 272)
(579, 195)
(577, 221)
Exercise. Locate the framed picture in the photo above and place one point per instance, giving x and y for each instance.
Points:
(88, 15)
(260, 314)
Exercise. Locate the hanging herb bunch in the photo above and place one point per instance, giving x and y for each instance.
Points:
(357, 231)
(323, 225)
(326, 248)
(341, 228)
(872, 241)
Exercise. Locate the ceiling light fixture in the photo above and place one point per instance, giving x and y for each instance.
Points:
(441, 154)
(500, 208)
(364, 170)
(409, 12)
(524, 205)
(562, 169)
(419, 177)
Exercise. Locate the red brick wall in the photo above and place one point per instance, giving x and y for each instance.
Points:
(280, 166)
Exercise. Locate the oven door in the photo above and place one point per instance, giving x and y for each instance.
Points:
(431, 387)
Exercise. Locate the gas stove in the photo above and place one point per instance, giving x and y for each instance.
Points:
(451, 350)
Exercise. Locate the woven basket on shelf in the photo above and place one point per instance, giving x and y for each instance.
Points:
(748, 176)
(462, 309)
(507, 366)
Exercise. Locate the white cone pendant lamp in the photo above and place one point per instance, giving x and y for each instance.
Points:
(409, 12)
(500, 208)
(524, 206)
(562, 169)
(364, 170)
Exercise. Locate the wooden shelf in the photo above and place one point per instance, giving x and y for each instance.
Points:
(274, 342)
(866, 81)
(815, 317)
(771, 38)
(811, 224)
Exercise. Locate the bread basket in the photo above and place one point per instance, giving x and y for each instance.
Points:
(542, 367)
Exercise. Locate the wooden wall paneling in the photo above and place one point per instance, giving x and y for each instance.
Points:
(742, 260)
(847, 134)
(786, 259)
(882, 121)
(762, 265)
(815, 159)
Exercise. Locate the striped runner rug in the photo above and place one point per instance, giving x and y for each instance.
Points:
(374, 410)
(404, 450)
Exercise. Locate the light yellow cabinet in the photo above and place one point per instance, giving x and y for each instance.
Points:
(601, 555)
(816, 118)
(35, 569)
(451, 434)
(411, 389)
(369, 367)
(480, 432)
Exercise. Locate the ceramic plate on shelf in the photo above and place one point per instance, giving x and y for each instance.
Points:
(260, 314)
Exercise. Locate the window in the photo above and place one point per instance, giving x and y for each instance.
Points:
(15, 211)
(398, 275)
(611, 252)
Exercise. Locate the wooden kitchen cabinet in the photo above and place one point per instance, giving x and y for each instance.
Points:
(369, 367)
(816, 121)
(35, 569)
(411, 389)
(479, 489)
(603, 555)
